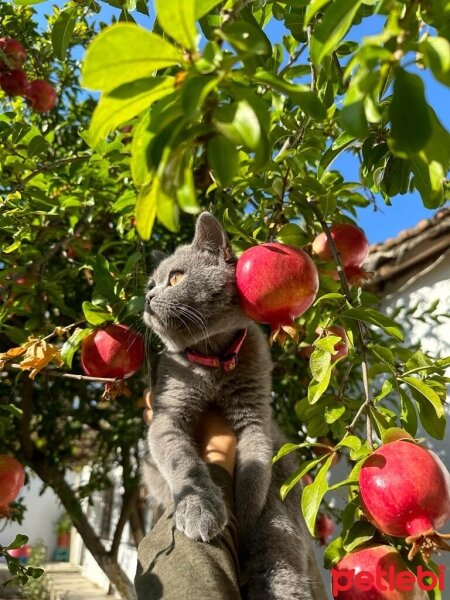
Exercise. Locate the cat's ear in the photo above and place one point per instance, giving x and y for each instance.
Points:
(211, 236)
(156, 257)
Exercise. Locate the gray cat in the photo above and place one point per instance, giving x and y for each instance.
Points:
(192, 305)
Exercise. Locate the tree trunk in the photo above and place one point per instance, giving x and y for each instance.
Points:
(107, 562)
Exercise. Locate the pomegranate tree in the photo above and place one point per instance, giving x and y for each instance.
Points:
(12, 478)
(276, 283)
(405, 492)
(375, 573)
(116, 351)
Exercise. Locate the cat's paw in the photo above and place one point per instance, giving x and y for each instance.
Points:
(201, 516)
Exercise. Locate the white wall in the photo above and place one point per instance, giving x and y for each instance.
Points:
(40, 517)
(422, 289)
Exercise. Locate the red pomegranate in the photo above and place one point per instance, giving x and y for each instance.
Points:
(405, 492)
(377, 573)
(15, 53)
(12, 478)
(276, 283)
(13, 83)
(351, 243)
(307, 479)
(41, 95)
(115, 351)
(324, 528)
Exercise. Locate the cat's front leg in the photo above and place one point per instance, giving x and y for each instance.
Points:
(200, 511)
(252, 474)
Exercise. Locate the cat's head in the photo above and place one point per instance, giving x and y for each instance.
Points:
(191, 295)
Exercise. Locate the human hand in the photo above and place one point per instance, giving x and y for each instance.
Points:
(216, 440)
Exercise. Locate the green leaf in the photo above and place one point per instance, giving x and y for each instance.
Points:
(317, 388)
(62, 31)
(334, 413)
(353, 116)
(312, 9)
(177, 18)
(360, 533)
(145, 211)
(125, 52)
(331, 296)
(409, 115)
(247, 38)
(336, 22)
(195, 91)
(430, 165)
(433, 425)
(37, 145)
(370, 315)
(393, 434)
(313, 494)
(341, 143)
(351, 441)
(239, 124)
(408, 414)
(96, 315)
(223, 159)
(125, 102)
(300, 94)
(142, 136)
(167, 210)
(14, 246)
(202, 7)
(19, 541)
(71, 345)
(27, 2)
(436, 56)
(296, 477)
(284, 450)
(327, 343)
(334, 552)
(104, 281)
(320, 364)
(292, 235)
(185, 191)
(427, 392)
(396, 176)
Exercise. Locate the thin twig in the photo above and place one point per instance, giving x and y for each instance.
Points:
(360, 327)
(312, 65)
(48, 167)
(344, 381)
(57, 330)
(292, 60)
(62, 374)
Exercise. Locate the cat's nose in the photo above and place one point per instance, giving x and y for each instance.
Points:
(148, 297)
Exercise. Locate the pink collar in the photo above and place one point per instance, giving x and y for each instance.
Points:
(226, 361)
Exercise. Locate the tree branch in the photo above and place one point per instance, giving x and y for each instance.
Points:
(128, 501)
(360, 326)
(54, 373)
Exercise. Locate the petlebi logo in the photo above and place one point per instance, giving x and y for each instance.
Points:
(386, 580)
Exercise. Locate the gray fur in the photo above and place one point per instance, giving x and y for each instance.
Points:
(202, 313)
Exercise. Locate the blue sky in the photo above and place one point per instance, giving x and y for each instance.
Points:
(379, 224)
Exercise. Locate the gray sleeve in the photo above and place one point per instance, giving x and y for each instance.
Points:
(172, 566)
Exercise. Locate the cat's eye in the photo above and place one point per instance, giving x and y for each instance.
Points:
(176, 277)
